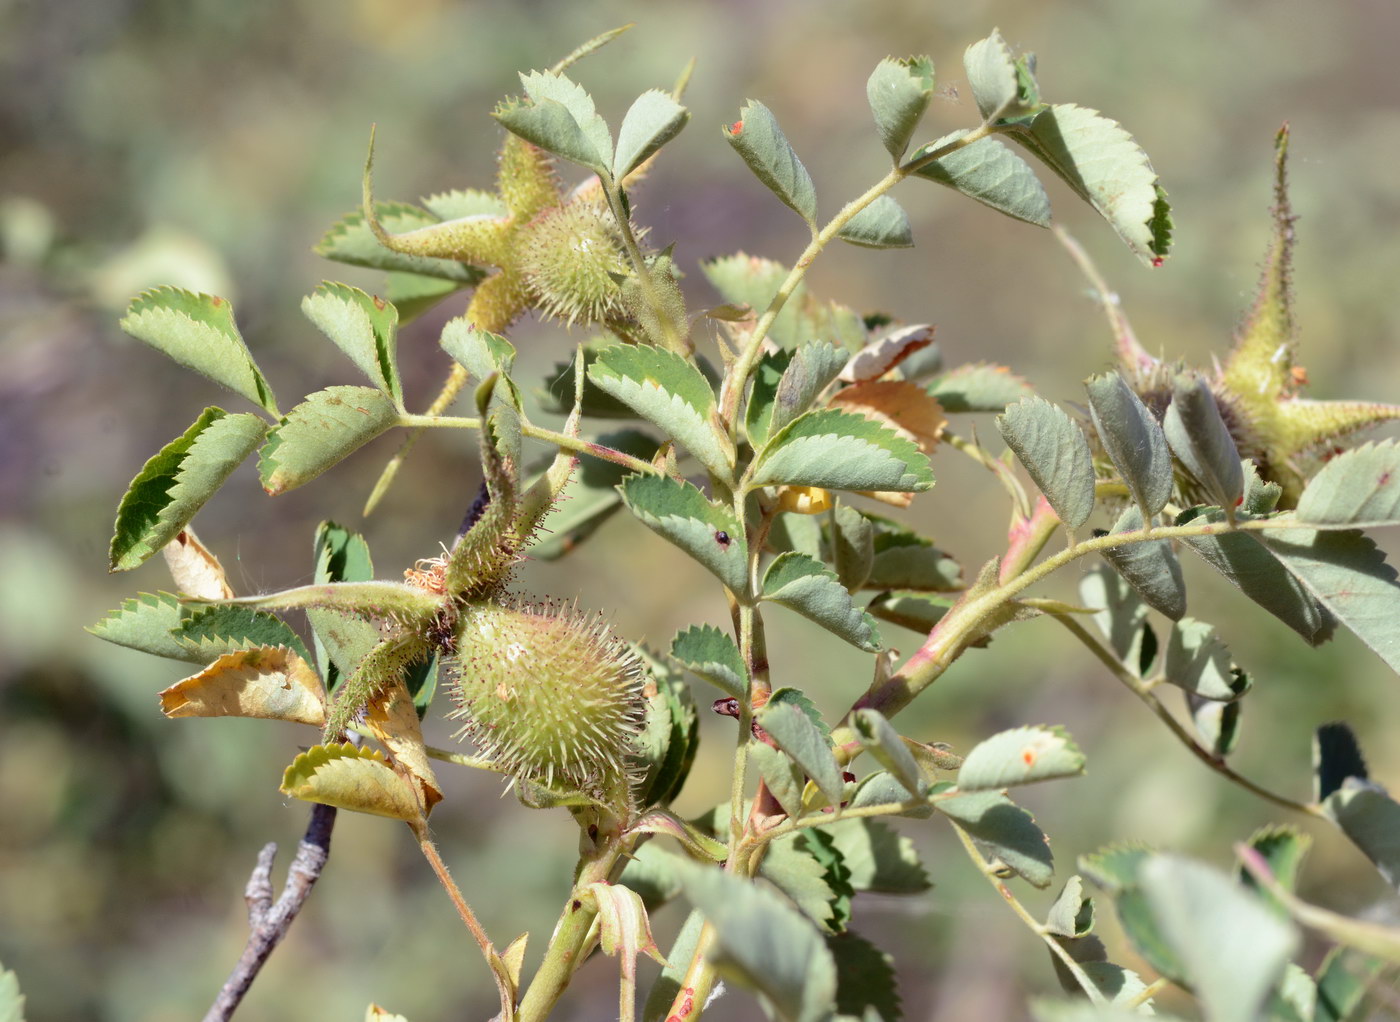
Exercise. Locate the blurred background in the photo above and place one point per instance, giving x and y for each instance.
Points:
(209, 145)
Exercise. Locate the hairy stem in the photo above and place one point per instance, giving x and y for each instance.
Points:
(1139, 688)
(1056, 948)
(269, 922)
(561, 440)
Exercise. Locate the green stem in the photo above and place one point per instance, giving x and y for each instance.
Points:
(613, 190)
(1139, 688)
(1056, 948)
(462, 759)
(568, 942)
(529, 429)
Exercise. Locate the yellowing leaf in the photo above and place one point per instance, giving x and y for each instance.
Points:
(359, 780)
(905, 407)
(804, 500)
(393, 720)
(269, 682)
(196, 571)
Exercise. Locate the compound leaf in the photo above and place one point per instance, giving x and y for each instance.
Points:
(210, 632)
(172, 487)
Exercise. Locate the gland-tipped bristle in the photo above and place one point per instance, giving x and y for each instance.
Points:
(551, 695)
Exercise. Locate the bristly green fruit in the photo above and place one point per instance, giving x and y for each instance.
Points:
(551, 696)
(570, 256)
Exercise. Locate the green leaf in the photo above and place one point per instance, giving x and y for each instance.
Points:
(882, 741)
(852, 546)
(666, 389)
(905, 560)
(1233, 948)
(806, 372)
(918, 612)
(978, 387)
(198, 331)
(841, 451)
(652, 121)
(879, 859)
(146, 622)
(757, 138)
(1255, 571)
(882, 789)
(1055, 453)
(899, 92)
(394, 601)
(1150, 567)
(341, 640)
(1097, 158)
(560, 118)
(171, 488)
(413, 294)
(796, 735)
(866, 987)
(1360, 487)
(1072, 914)
(1282, 849)
(1342, 983)
(1371, 818)
(328, 426)
(1022, 755)
(989, 172)
(1134, 442)
(1199, 662)
(784, 778)
(807, 586)
(649, 873)
(1202, 443)
(679, 512)
(763, 944)
(591, 496)
(882, 224)
(557, 394)
(1115, 868)
(1004, 832)
(792, 868)
(796, 697)
(11, 1000)
(991, 71)
(1347, 573)
(668, 984)
(350, 240)
(210, 633)
(362, 326)
(670, 737)
(1218, 723)
(709, 653)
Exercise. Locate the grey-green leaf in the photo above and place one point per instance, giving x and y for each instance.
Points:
(1358, 488)
(666, 389)
(988, 171)
(711, 654)
(899, 92)
(199, 332)
(652, 121)
(11, 1000)
(481, 352)
(784, 778)
(1055, 453)
(879, 859)
(1097, 158)
(1022, 755)
(905, 560)
(842, 451)
(1202, 443)
(1150, 567)
(852, 546)
(351, 241)
(325, 428)
(810, 370)
(991, 71)
(882, 224)
(1371, 818)
(1003, 831)
(342, 640)
(679, 512)
(1123, 612)
(1197, 661)
(560, 118)
(1232, 947)
(1133, 440)
(796, 735)
(209, 633)
(764, 944)
(1072, 914)
(757, 138)
(590, 497)
(364, 327)
(882, 741)
(174, 484)
(978, 387)
(807, 586)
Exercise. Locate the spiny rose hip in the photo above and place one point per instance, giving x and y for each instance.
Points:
(551, 696)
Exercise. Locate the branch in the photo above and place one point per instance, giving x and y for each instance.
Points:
(270, 921)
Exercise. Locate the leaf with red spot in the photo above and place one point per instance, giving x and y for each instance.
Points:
(1022, 755)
